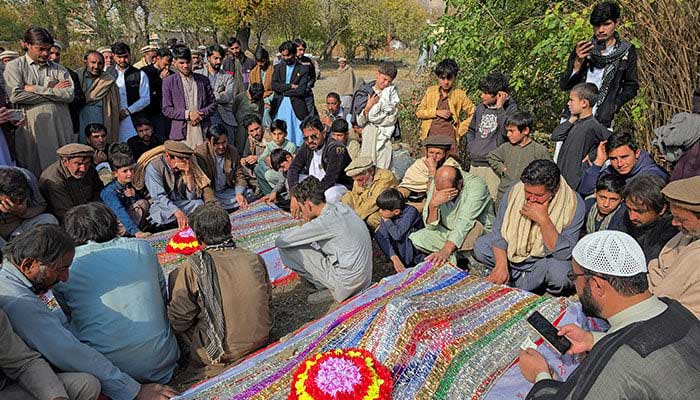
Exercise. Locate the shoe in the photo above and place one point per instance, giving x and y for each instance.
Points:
(322, 296)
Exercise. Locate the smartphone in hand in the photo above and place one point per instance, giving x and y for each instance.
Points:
(549, 332)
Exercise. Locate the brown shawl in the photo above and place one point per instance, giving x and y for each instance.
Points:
(256, 77)
(139, 179)
(104, 88)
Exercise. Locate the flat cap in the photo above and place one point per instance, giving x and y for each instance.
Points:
(104, 49)
(59, 44)
(342, 59)
(358, 165)
(8, 54)
(197, 51)
(148, 48)
(438, 141)
(684, 193)
(177, 148)
(75, 150)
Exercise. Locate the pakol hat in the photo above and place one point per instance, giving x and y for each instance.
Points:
(8, 54)
(438, 141)
(177, 148)
(104, 49)
(358, 165)
(684, 193)
(147, 48)
(75, 150)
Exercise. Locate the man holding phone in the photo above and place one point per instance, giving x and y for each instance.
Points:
(648, 336)
(606, 61)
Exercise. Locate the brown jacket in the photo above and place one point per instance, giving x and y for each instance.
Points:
(461, 107)
(246, 294)
(64, 192)
(256, 77)
(235, 176)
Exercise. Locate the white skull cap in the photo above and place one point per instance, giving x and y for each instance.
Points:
(610, 252)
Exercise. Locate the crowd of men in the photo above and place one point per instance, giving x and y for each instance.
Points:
(94, 159)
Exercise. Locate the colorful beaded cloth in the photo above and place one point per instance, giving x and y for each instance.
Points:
(441, 333)
(254, 228)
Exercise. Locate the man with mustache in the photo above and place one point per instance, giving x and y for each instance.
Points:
(101, 97)
(369, 183)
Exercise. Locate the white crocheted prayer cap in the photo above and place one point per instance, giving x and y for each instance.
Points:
(611, 253)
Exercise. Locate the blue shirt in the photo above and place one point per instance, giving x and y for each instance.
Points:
(115, 301)
(43, 326)
(397, 229)
(113, 196)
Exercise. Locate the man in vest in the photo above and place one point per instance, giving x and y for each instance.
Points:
(134, 91)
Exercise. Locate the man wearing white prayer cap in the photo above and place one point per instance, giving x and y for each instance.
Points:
(650, 351)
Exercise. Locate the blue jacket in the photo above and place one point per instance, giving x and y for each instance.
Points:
(113, 196)
(645, 166)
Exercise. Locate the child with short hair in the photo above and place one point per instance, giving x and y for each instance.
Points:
(398, 221)
(280, 160)
(379, 117)
(268, 178)
(129, 205)
(340, 133)
(606, 209)
(487, 129)
(580, 134)
(510, 159)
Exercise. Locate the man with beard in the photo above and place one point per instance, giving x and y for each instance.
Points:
(78, 95)
(145, 139)
(156, 72)
(33, 263)
(188, 101)
(197, 55)
(537, 225)
(418, 177)
(134, 90)
(647, 334)
(72, 180)
(101, 97)
(369, 183)
(648, 219)
(149, 56)
(106, 52)
(290, 81)
(606, 61)
(675, 273)
(237, 65)
(222, 84)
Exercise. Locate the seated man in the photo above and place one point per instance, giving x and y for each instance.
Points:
(222, 166)
(34, 262)
(96, 137)
(538, 223)
(280, 160)
(321, 158)
(370, 182)
(128, 204)
(332, 250)
(399, 221)
(72, 180)
(24, 374)
(606, 210)
(418, 177)
(647, 335)
(254, 148)
(459, 208)
(175, 181)
(220, 305)
(117, 285)
(648, 219)
(145, 139)
(627, 160)
(21, 203)
(675, 273)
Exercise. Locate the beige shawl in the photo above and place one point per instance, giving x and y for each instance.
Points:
(525, 237)
(416, 177)
(139, 178)
(104, 88)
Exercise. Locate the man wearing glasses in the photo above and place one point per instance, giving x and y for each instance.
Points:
(324, 158)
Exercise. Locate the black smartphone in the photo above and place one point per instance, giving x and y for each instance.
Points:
(599, 45)
(548, 332)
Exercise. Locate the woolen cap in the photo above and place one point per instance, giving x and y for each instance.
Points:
(177, 148)
(75, 150)
(342, 59)
(684, 193)
(438, 141)
(148, 48)
(611, 253)
(104, 49)
(358, 165)
(8, 54)
(59, 44)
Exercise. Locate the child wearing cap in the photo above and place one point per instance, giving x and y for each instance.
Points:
(398, 221)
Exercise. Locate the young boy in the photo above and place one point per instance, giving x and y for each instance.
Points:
(510, 159)
(339, 132)
(280, 160)
(487, 129)
(379, 116)
(130, 206)
(606, 211)
(580, 134)
(267, 178)
(398, 221)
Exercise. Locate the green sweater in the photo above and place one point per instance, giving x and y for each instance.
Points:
(509, 160)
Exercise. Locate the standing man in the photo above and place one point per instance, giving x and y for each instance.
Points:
(149, 53)
(606, 61)
(289, 82)
(134, 91)
(345, 83)
(43, 89)
(236, 63)
(106, 52)
(101, 97)
(304, 60)
(78, 96)
(188, 101)
(156, 72)
(222, 84)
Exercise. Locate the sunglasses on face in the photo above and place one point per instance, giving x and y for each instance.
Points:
(310, 137)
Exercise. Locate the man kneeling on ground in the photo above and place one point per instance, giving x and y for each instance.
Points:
(332, 250)
(220, 305)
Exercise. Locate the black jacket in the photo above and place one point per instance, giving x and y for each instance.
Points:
(78, 101)
(334, 159)
(623, 87)
(301, 77)
(155, 83)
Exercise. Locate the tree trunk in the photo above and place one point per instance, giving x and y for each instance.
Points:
(243, 35)
(215, 35)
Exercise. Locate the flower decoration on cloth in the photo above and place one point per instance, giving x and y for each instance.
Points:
(341, 374)
(183, 242)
